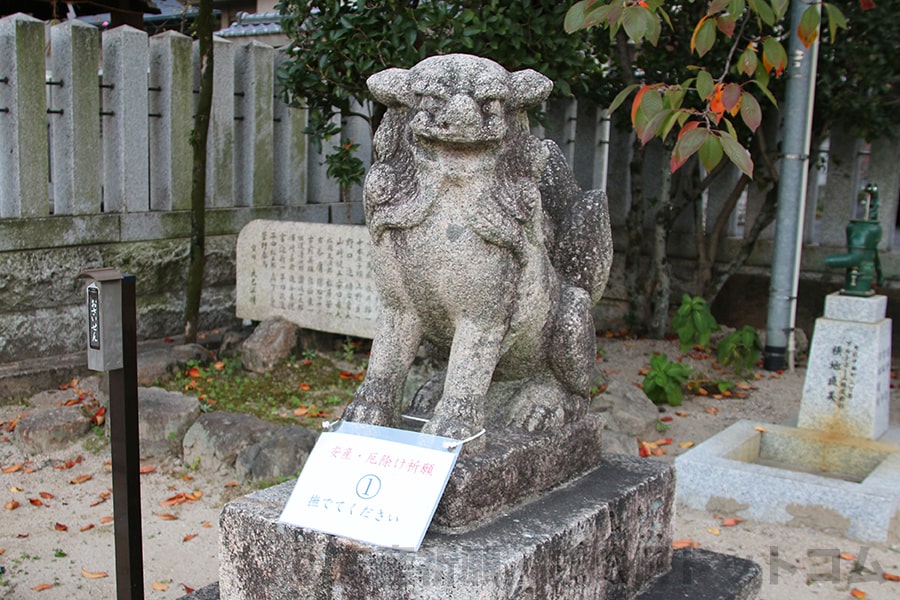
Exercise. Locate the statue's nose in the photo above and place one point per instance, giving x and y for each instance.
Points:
(460, 111)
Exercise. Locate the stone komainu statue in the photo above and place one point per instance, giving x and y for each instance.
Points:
(485, 248)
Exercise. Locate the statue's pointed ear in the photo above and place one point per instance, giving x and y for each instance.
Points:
(391, 87)
(528, 88)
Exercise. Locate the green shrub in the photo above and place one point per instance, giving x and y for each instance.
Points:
(663, 382)
(740, 350)
(693, 323)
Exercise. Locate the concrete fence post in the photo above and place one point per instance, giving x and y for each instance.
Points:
(254, 73)
(126, 168)
(75, 150)
(220, 142)
(171, 122)
(23, 118)
(290, 151)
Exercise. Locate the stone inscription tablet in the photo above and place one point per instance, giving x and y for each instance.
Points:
(316, 275)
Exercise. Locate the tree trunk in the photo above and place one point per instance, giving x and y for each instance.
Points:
(198, 176)
(635, 278)
(662, 291)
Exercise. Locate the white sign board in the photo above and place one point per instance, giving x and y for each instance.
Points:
(372, 484)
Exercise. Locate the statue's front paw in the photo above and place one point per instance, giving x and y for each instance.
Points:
(537, 413)
(361, 411)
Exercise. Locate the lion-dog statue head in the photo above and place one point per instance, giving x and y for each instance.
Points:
(485, 249)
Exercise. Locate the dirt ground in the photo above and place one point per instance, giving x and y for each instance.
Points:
(56, 530)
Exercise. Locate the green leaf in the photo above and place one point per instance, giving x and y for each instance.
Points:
(621, 96)
(575, 17)
(654, 125)
(775, 53)
(710, 153)
(673, 97)
(705, 85)
(704, 36)
(763, 11)
(808, 29)
(635, 23)
(737, 154)
(836, 20)
(687, 145)
(751, 112)
(651, 102)
(736, 7)
(765, 90)
(780, 7)
(747, 62)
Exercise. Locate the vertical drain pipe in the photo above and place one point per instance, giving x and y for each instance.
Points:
(798, 111)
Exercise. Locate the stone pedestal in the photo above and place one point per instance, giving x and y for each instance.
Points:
(847, 387)
(605, 535)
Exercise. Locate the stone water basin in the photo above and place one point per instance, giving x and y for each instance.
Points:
(790, 475)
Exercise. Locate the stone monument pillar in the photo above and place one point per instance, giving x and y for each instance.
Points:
(847, 386)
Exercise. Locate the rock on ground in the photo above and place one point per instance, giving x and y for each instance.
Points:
(272, 341)
(164, 418)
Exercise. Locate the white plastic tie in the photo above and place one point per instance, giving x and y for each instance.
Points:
(455, 444)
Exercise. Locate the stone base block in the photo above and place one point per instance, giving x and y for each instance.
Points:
(607, 534)
(514, 466)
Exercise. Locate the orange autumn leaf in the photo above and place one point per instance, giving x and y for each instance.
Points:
(644, 450)
(301, 412)
(11, 505)
(87, 527)
(188, 537)
(760, 429)
(193, 372)
(12, 468)
(679, 544)
(187, 589)
(731, 522)
(159, 586)
(890, 576)
(664, 441)
(712, 410)
(81, 478)
(658, 452)
(847, 556)
(857, 593)
(166, 516)
(305, 387)
(681, 414)
(93, 574)
(147, 469)
(667, 419)
(106, 520)
(219, 365)
(46, 495)
(686, 445)
(346, 375)
(61, 527)
(35, 501)
(232, 484)
(42, 587)
(207, 525)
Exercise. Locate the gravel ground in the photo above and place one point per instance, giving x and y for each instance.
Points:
(59, 536)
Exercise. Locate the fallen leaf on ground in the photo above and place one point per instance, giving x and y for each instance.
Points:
(300, 412)
(714, 530)
(159, 586)
(2, 551)
(713, 410)
(43, 586)
(663, 441)
(679, 544)
(686, 445)
(681, 414)
(93, 574)
(206, 525)
(36, 501)
(11, 505)
(219, 365)
(857, 593)
(87, 527)
(305, 387)
(46, 495)
(187, 589)
(884, 575)
(188, 537)
(147, 469)
(106, 519)
(847, 556)
(27, 470)
(667, 419)
(731, 522)
(81, 478)
(231, 484)
(16, 490)
(760, 429)
(61, 527)
(658, 452)
(166, 516)
(12, 468)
